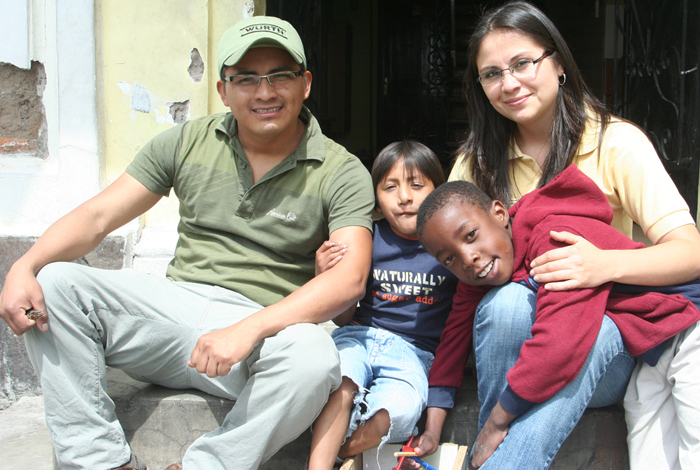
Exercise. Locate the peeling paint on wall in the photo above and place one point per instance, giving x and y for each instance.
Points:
(196, 68)
(143, 101)
(23, 129)
(140, 101)
(125, 88)
(179, 112)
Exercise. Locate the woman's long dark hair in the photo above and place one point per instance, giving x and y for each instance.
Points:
(490, 133)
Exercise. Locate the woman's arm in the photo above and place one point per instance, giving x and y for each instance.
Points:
(673, 260)
(629, 172)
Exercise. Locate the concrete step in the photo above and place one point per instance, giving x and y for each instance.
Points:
(25, 442)
(161, 423)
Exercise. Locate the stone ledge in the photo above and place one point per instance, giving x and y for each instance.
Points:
(160, 424)
(17, 377)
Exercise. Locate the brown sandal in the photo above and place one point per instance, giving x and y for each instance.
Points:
(134, 463)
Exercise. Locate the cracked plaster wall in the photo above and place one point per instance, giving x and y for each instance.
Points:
(22, 116)
(158, 60)
(94, 55)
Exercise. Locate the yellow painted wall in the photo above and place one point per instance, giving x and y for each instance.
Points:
(145, 55)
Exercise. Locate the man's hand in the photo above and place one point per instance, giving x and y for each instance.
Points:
(577, 266)
(69, 238)
(491, 435)
(216, 352)
(22, 292)
(328, 255)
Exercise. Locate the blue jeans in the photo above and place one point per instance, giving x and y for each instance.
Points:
(502, 323)
(390, 373)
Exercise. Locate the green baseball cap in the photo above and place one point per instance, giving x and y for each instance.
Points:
(259, 31)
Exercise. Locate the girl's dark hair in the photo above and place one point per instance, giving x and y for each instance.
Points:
(416, 157)
(490, 134)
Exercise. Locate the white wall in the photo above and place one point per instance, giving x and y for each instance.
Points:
(35, 192)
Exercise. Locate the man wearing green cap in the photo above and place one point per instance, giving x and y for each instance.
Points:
(260, 189)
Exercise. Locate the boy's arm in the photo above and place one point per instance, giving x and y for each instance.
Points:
(565, 329)
(429, 441)
(72, 236)
(328, 255)
(345, 317)
(447, 371)
(455, 343)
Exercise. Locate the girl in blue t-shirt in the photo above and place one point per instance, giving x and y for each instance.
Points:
(387, 343)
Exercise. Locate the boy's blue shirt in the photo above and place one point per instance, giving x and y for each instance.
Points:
(408, 292)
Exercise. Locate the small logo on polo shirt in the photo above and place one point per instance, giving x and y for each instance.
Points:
(291, 216)
(264, 28)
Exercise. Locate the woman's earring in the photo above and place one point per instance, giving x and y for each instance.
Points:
(562, 79)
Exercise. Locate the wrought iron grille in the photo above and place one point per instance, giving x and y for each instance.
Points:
(658, 81)
(439, 53)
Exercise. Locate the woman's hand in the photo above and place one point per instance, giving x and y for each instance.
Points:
(328, 255)
(577, 266)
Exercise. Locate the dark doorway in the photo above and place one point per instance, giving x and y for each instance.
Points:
(381, 70)
(413, 44)
(340, 43)
(386, 70)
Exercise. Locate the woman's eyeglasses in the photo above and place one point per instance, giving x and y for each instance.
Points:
(521, 69)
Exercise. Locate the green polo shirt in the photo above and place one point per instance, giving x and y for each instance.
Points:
(260, 239)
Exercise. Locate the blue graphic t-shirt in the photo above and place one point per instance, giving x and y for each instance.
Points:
(408, 292)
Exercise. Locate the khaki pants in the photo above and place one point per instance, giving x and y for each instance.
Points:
(148, 326)
(662, 408)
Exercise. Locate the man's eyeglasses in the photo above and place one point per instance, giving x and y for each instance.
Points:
(250, 82)
(521, 69)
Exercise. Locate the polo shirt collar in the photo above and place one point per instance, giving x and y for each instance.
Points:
(311, 146)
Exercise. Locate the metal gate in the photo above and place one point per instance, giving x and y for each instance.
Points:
(657, 81)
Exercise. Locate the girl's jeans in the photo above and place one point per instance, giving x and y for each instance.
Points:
(390, 373)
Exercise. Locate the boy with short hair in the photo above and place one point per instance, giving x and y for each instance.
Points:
(473, 237)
